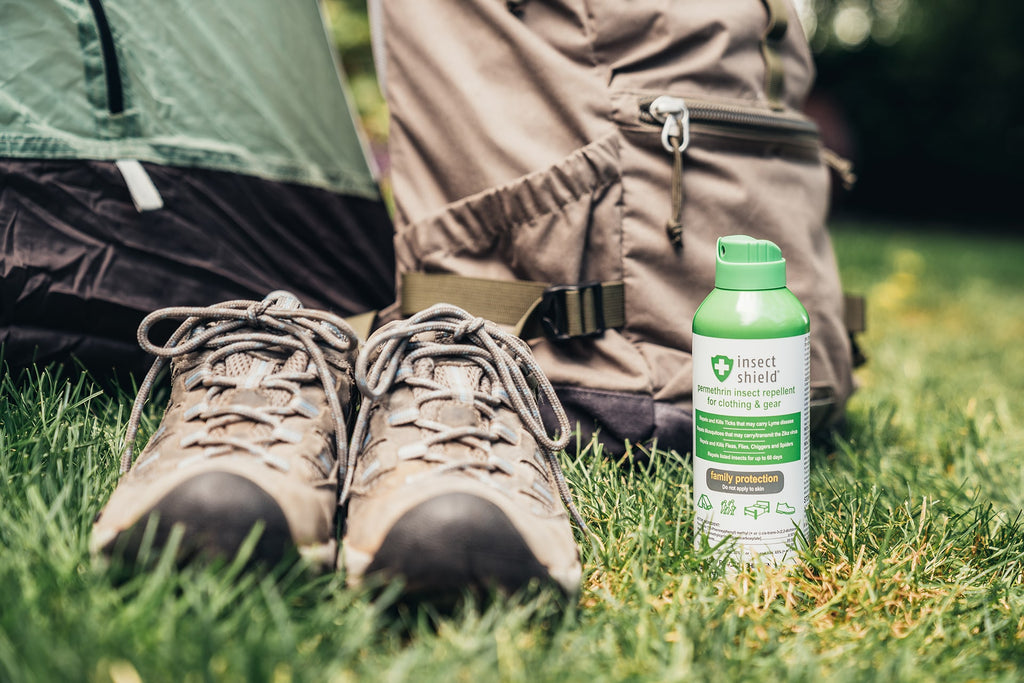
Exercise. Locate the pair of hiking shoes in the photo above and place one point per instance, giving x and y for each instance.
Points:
(426, 442)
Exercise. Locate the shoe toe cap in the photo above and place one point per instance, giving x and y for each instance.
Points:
(217, 512)
(457, 541)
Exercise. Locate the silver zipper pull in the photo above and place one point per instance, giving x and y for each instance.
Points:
(672, 111)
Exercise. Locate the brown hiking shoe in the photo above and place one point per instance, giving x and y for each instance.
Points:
(254, 435)
(455, 483)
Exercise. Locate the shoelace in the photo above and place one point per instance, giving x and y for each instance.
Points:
(244, 326)
(500, 355)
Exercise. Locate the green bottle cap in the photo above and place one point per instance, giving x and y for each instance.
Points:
(747, 264)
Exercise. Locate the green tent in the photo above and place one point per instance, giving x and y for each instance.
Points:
(175, 152)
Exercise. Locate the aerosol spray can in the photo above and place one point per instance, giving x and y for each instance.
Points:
(751, 391)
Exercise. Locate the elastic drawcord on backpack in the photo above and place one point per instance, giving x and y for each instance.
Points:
(675, 223)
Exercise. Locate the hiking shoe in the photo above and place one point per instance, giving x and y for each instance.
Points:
(253, 437)
(455, 484)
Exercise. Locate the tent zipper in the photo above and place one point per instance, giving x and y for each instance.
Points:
(111, 68)
(143, 191)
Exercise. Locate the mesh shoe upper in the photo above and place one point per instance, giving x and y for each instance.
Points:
(255, 431)
(455, 482)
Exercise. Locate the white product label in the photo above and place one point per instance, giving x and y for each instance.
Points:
(751, 443)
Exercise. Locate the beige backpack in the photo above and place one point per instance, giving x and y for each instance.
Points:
(565, 167)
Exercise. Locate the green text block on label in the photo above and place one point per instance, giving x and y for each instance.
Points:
(756, 440)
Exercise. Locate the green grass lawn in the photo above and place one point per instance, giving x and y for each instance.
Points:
(913, 569)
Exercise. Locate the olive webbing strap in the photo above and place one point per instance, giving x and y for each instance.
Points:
(854, 313)
(362, 323)
(855, 320)
(517, 303)
(771, 42)
(532, 309)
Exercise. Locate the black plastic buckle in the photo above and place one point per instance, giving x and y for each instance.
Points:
(554, 312)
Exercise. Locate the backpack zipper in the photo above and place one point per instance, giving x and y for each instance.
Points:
(673, 114)
(111, 68)
(678, 118)
(727, 119)
(741, 122)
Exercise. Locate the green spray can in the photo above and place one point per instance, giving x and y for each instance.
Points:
(751, 406)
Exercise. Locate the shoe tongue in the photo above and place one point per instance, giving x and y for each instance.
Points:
(461, 380)
(241, 364)
(250, 367)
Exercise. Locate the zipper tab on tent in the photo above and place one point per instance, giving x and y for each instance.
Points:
(145, 196)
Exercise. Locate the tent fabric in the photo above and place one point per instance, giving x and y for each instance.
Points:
(80, 266)
(234, 112)
(236, 85)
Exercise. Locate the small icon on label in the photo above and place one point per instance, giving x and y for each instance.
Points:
(761, 507)
(784, 508)
(722, 365)
(704, 503)
(729, 507)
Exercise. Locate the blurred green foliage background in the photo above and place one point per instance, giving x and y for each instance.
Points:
(926, 97)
